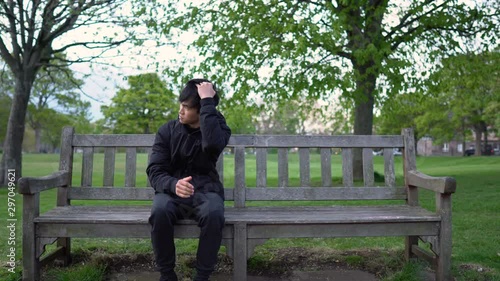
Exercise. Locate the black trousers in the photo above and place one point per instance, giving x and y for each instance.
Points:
(207, 209)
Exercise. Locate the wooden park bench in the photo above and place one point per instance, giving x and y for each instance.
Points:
(246, 226)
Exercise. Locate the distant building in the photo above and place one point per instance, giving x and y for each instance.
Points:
(425, 146)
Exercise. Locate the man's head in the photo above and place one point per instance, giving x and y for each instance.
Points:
(190, 93)
(189, 99)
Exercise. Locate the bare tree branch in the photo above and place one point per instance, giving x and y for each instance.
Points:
(9, 11)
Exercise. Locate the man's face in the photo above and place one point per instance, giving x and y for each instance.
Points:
(189, 115)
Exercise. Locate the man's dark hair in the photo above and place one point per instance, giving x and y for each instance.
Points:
(190, 93)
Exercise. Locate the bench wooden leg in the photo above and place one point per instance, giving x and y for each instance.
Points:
(65, 243)
(443, 268)
(31, 263)
(240, 252)
(409, 242)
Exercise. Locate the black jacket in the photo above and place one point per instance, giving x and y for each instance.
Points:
(180, 151)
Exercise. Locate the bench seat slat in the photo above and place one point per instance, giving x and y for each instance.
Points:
(249, 215)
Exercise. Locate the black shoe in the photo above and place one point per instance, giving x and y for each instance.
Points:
(168, 277)
(201, 277)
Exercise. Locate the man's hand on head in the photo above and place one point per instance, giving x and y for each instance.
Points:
(183, 188)
(205, 90)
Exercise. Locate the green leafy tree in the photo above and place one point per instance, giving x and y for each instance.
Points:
(55, 91)
(240, 117)
(284, 118)
(284, 49)
(30, 38)
(52, 134)
(400, 112)
(143, 107)
(463, 94)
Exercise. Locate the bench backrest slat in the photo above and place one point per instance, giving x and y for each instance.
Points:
(130, 166)
(109, 166)
(255, 193)
(113, 140)
(316, 141)
(239, 176)
(347, 170)
(326, 166)
(282, 167)
(87, 166)
(261, 163)
(131, 140)
(409, 165)
(325, 193)
(305, 168)
(368, 176)
(389, 173)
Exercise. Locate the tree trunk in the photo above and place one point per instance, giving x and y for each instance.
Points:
(478, 132)
(38, 139)
(13, 144)
(363, 113)
(485, 130)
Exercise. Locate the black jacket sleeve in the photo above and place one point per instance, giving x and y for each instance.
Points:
(214, 130)
(159, 169)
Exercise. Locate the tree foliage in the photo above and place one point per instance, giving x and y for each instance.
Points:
(462, 97)
(33, 33)
(314, 48)
(400, 112)
(55, 92)
(284, 49)
(240, 117)
(143, 107)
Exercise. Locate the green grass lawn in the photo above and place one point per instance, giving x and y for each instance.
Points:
(476, 209)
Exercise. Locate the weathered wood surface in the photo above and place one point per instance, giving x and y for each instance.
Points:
(239, 176)
(130, 166)
(282, 167)
(347, 167)
(325, 230)
(436, 184)
(133, 140)
(255, 231)
(251, 193)
(109, 166)
(29, 185)
(326, 166)
(261, 162)
(390, 175)
(368, 176)
(87, 166)
(248, 215)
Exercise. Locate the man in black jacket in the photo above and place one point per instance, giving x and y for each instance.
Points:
(182, 172)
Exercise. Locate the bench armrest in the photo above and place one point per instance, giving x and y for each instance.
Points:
(29, 185)
(445, 185)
